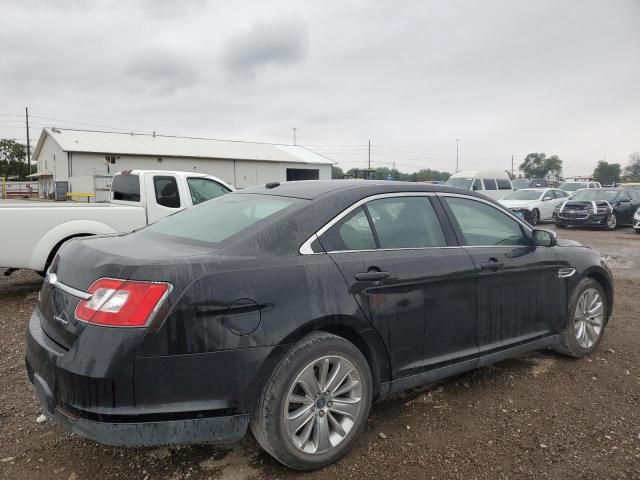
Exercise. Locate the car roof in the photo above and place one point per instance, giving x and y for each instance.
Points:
(311, 189)
(483, 173)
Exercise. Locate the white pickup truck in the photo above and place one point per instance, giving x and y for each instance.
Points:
(31, 232)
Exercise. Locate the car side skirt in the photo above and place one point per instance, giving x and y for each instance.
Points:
(466, 365)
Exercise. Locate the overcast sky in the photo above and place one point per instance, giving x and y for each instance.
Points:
(505, 77)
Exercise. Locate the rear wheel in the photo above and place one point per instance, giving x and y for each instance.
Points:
(316, 403)
(587, 314)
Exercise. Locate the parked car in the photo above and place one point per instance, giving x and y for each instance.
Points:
(290, 307)
(519, 183)
(636, 221)
(34, 231)
(534, 204)
(573, 187)
(631, 185)
(493, 184)
(606, 207)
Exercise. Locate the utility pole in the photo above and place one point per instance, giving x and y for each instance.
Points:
(457, 153)
(294, 136)
(369, 154)
(26, 111)
(512, 174)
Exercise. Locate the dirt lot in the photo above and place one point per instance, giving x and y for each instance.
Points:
(539, 416)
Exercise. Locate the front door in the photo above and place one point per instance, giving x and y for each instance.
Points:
(520, 295)
(411, 283)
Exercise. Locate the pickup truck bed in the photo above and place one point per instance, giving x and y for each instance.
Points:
(31, 231)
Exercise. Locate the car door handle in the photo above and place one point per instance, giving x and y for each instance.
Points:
(371, 276)
(493, 265)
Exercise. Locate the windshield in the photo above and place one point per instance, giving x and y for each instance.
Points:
(571, 186)
(218, 219)
(523, 195)
(464, 183)
(596, 194)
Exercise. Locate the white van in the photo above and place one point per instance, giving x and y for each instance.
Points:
(494, 184)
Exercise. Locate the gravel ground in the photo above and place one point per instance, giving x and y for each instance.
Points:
(539, 416)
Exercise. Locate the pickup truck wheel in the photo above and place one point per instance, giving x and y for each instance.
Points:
(316, 403)
(586, 319)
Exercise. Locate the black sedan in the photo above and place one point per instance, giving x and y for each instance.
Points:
(289, 308)
(601, 207)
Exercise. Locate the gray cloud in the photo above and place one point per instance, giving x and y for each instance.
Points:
(282, 42)
(506, 77)
(160, 70)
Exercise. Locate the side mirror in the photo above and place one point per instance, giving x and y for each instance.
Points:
(544, 238)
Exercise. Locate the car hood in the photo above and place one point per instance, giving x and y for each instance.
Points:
(562, 242)
(590, 205)
(517, 203)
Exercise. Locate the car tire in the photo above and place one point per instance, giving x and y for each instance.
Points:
(322, 433)
(612, 221)
(584, 331)
(637, 230)
(535, 217)
(559, 225)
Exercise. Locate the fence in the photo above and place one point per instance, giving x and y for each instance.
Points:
(18, 189)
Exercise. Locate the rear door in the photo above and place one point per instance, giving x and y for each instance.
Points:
(520, 296)
(411, 280)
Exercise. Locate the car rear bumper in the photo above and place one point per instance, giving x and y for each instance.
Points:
(120, 425)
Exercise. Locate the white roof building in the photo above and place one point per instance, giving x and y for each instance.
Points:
(85, 159)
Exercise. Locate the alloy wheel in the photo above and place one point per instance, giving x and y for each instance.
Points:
(612, 221)
(588, 318)
(323, 404)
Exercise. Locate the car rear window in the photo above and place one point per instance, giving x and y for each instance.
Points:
(126, 187)
(220, 218)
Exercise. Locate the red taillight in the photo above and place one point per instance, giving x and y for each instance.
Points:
(121, 303)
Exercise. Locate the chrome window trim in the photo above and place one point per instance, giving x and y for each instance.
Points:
(305, 248)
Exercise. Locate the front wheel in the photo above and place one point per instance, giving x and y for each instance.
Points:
(612, 221)
(316, 403)
(637, 230)
(535, 217)
(587, 316)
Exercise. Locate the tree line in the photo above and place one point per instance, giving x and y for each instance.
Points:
(534, 165)
(13, 160)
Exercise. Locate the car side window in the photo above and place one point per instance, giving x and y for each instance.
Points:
(477, 184)
(625, 196)
(406, 222)
(484, 225)
(167, 193)
(203, 189)
(504, 184)
(489, 184)
(352, 232)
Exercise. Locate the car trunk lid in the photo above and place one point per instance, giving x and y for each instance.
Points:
(81, 262)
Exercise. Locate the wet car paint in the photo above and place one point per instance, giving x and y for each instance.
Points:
(189, 365)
